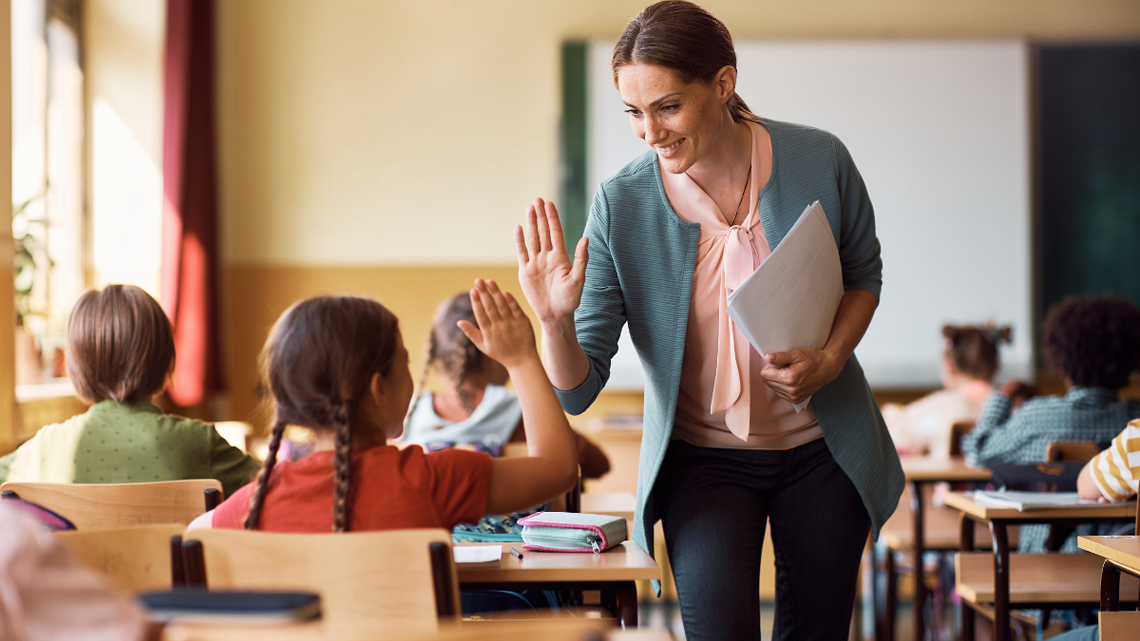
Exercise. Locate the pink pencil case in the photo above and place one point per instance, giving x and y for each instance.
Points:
(571, 532)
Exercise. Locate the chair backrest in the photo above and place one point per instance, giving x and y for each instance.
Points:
(1071, 451)
(134, 558)
(405, 578)
(104, 505)
(957, 431)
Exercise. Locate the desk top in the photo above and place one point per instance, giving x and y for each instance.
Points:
(964, 502)
(626, 562)
(548, 629)
(927, 469)
(1122, 550)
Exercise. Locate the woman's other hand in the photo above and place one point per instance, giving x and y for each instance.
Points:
(799, 373)
(552, 286)
(504, 332)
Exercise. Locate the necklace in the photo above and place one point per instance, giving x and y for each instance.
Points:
(737, 212)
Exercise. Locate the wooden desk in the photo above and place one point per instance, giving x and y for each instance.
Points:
(1120, 554)
(999, 519)
(613, 572)
(554, 629)
(921, 471)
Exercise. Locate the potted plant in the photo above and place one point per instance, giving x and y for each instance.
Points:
(29, 363)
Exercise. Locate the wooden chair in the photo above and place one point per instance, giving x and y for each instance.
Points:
(957, 431)
(134, 558)
(401, 578)
(1118, 626)
(1071, 451)
(103, 505)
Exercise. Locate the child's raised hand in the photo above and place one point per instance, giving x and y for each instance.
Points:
(504, 332)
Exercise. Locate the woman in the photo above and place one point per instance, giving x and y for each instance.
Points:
(723, 450)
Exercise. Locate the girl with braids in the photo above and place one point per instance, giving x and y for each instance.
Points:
(337, 365)
(474, 408)
(969, 364)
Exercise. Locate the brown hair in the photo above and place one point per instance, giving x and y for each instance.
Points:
(683, 37)
(120, 345)
(1094, 342)
(450, 350)
(319, 361)
(973, 349)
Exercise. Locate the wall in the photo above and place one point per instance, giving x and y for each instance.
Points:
(123, 56)
(389, 147)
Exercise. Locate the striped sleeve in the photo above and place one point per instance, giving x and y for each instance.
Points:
(1116, 470)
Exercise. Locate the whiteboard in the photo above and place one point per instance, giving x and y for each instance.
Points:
(940, 132)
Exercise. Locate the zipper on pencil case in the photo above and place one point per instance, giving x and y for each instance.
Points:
(575, 542)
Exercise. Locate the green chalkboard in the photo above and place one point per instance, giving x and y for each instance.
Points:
(1088, 182)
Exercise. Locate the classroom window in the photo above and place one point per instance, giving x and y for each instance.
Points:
(47, 178)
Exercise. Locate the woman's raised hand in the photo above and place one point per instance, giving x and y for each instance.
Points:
(504, 332)
(552, 286)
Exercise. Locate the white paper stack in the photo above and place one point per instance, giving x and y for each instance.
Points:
(1023, 501)
(790, 301)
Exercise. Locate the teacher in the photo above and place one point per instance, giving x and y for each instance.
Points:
(669, 237)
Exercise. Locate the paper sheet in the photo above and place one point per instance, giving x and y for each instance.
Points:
(481, 554)
(790, 301)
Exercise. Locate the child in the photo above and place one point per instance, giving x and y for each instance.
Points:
(120, 350)
(475, 409)
(969, 364)
(1094, 343)
(338, 365)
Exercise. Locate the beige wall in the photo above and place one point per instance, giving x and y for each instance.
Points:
(415, 131)
(123, 42)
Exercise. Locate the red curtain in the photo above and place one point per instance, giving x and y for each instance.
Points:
(190, 207)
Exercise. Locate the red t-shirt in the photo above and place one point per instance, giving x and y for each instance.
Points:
(392, 489)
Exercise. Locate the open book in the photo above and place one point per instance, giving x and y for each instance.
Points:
(1023, 501)
(790, 300)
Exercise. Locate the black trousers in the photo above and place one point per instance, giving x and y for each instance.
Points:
(714, 504)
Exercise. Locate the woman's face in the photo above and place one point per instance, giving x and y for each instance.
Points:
(681, 121)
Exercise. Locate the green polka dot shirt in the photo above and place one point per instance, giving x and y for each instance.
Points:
(115, 442)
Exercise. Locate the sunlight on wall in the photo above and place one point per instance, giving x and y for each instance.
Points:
(124, 40)
(126, 222)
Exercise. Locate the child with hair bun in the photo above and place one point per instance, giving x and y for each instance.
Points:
(969, 364)
(120, 351)
(474, 408)
(338, 366)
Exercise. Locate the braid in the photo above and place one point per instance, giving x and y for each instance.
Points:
(421, 387)
(259, 491)
(342, 465)
(461, 364)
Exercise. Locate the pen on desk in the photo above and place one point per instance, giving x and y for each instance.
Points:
(516, 553)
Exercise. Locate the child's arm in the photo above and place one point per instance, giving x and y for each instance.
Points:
(505, 334)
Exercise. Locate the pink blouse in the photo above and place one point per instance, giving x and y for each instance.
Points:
(723, 401)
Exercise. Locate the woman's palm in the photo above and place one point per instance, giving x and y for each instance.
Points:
(552, 285)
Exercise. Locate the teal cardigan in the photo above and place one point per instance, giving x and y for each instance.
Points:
(640, 271)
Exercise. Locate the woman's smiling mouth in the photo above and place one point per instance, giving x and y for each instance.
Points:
(666, 152)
